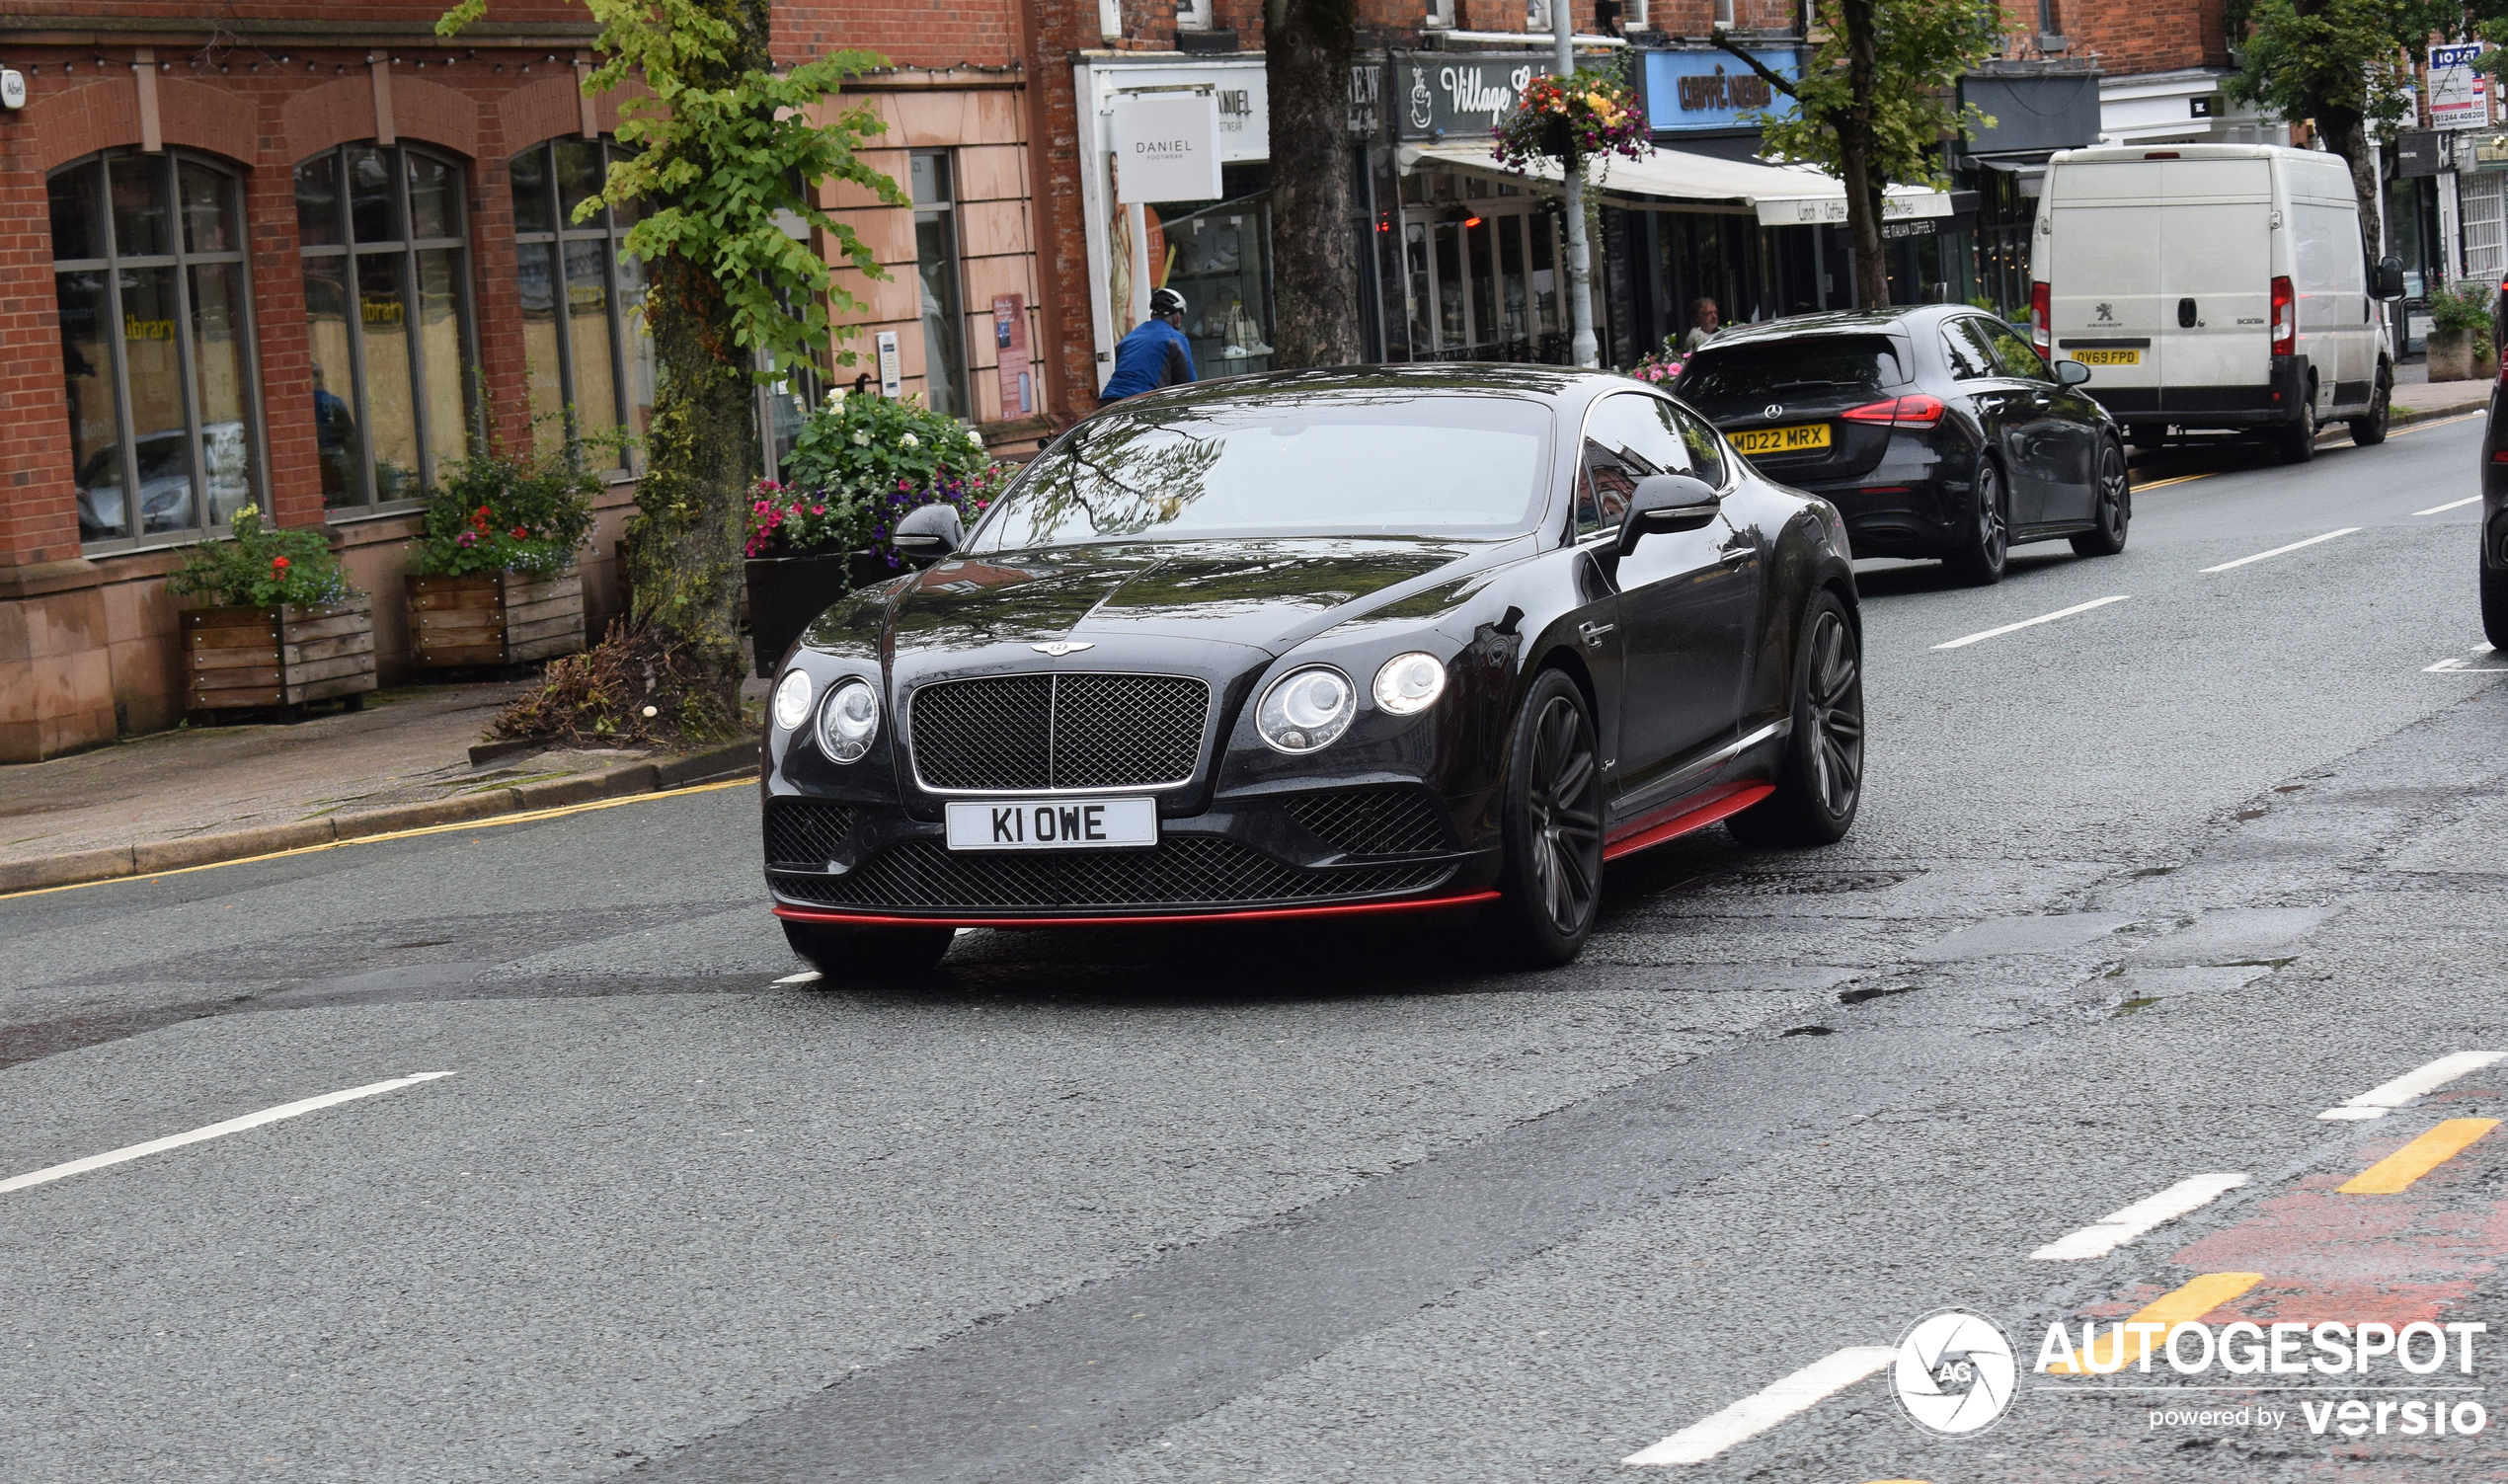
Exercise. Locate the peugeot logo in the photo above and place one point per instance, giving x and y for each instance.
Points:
(1061, 647)
(1772, 410)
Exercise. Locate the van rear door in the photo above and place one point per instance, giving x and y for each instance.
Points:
(2216, 332)
(2104, 289)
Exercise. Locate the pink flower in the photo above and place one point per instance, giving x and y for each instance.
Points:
(819, 510)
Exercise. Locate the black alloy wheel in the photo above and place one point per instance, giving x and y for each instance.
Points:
(2115, 508)
(2371, 431)
(1820, 784)
(1979, 558)
(1552, 874)
(868, 953)
(2295, 442)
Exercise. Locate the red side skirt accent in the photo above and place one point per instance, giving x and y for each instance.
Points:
(1683, 818)
(1144, 919)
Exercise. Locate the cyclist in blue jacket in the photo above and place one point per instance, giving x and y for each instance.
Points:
(1154, 356)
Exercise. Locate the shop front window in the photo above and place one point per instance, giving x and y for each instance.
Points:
(937, 271)
(385, 245)
(155, 300)
(586, 357)
(1481, 274)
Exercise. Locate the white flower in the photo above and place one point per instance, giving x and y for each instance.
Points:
(835, 399)
(910, 440)
(862, 439)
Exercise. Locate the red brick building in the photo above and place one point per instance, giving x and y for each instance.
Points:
(271, 255)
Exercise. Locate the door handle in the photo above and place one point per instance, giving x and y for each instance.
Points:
(1593, 633)
(2185, 314)
(2041, 400)
(1735, 556)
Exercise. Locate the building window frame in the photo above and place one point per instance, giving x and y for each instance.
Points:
(368, 498)
(627, 333)
(934, 176)
(208, 521)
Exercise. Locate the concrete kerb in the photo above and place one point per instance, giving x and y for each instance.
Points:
(2401, 416)
(147, 857)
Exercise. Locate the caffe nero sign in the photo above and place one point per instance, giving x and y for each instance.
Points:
(1438, 96)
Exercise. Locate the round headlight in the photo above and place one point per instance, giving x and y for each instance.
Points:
(1408, 684)
(792, 700)
(848, 720)
(1307, 710)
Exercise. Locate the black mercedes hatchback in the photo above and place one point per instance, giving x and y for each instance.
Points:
(1936, 429)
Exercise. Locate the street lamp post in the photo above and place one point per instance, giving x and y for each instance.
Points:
(1580, 268)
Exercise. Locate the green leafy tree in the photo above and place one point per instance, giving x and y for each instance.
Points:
(2343, 65)
(725, 151)
(1874, 104)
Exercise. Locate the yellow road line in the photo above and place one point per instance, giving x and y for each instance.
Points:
(2180, 479)
(489, 821)
(2397, 1171)
(2396, 433)
(2178, 1306)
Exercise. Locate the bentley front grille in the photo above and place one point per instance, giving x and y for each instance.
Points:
(1005, 734)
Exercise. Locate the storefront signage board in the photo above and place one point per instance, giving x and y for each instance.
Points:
(1439, 95)
(1694, 89)
(1831, 210)
(1167, 146)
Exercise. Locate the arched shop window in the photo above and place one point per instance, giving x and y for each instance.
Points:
(591, 363)
(387, 314)
(156, 343)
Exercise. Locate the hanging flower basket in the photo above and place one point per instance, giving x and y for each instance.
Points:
(1568, 118)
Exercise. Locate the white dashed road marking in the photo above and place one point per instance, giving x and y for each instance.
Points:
(2453, 505)
(213, 1131)
(2108, 1233)
(1755, 1414)
(2279, 550)
(806, 976)
(2386, 1097)
(1966, 640)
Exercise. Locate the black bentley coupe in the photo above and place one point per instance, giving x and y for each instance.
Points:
(1937, 430)
(1320, 643)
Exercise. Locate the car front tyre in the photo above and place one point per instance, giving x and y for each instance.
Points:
(868, 953)
(2114, 509)
(1820, 783)
(1550, 881)
(1979, 557)
(2495, 606)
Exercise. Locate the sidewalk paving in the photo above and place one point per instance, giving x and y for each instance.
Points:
(197, 795)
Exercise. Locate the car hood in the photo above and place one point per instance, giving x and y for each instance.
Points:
(1268, 594)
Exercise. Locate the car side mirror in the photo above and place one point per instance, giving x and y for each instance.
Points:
(929, 532)
(2391, 277)
(2070, 373)
(1665, 503)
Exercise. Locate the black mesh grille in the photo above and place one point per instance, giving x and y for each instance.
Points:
(1372, 821)
(1055, 731)
(803, 834)
(983, 734)
(1183, 871)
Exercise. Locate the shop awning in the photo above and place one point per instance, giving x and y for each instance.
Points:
(1671, 180)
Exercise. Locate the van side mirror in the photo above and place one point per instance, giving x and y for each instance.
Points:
(929, 532)
(2391, 277)
(2070, 373)
(1665, 503)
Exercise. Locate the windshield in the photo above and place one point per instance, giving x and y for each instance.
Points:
(1287, 465)
(1779, 367)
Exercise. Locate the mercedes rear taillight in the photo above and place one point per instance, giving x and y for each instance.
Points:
(1899, 412)
(2285, 319)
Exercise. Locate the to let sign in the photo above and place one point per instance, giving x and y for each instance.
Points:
(2455, 93)
(1010, 350)
(1166, 146)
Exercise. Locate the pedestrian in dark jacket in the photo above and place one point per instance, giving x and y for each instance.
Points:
(1154, 356)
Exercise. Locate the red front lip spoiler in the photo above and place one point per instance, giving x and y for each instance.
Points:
(1137, 919)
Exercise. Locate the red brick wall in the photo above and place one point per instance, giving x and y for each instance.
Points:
(2158, 36)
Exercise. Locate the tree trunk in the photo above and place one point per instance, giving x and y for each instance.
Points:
(1306, 46)
(2346, 133)
(684, 544)
(1855, 158)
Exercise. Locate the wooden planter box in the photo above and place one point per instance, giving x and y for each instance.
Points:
(495, 618)
(284, 655)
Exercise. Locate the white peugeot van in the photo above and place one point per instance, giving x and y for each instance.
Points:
(2215, 286)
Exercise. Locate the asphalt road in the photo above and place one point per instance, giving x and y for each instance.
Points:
(2136, 893)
